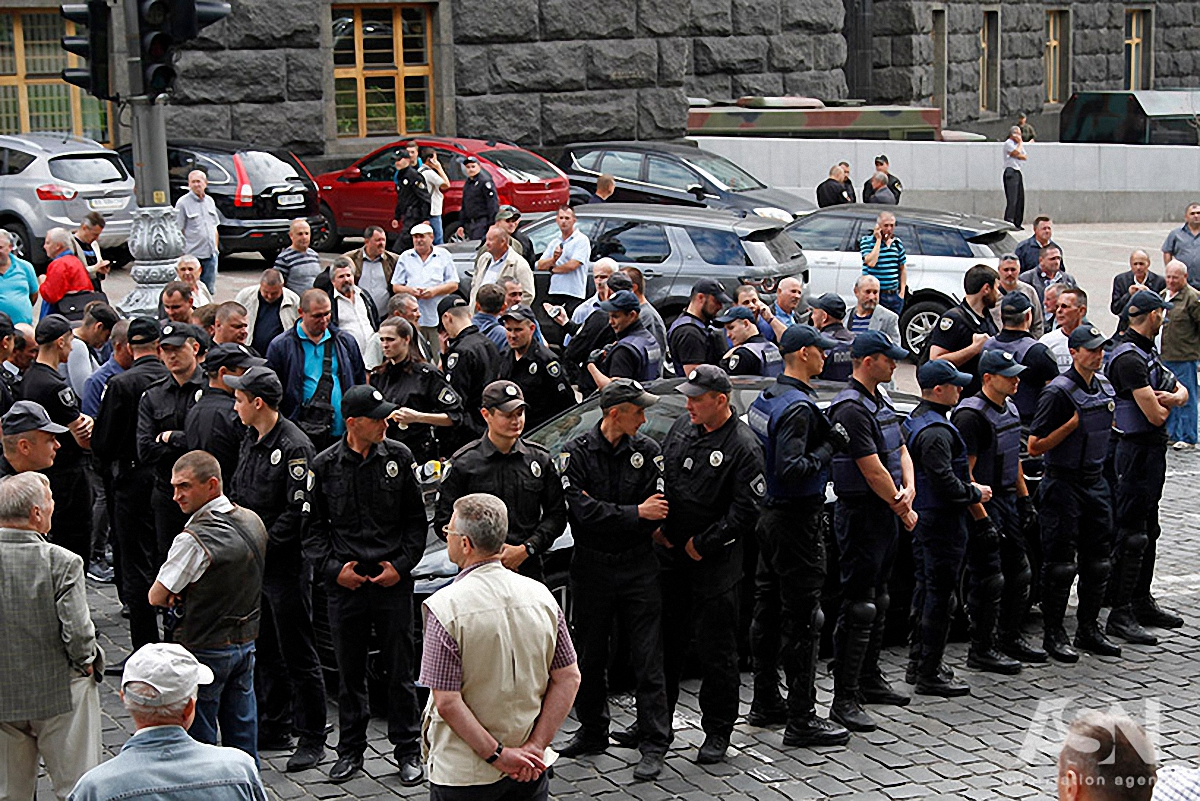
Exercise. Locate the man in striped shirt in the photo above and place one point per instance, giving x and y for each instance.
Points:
(884, 257)
(298, 263)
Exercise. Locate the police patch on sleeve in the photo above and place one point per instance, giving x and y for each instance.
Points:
(306, 508)
(536, 469)
(451, 360)
(447, 396)
(733, 361)
(554, 369)
(199, 395)
(561, 461)
(759, 485)
(312, 480)
(66, 396)
(298, 495)
(637, 460)
(716, 458)
(946, 324)
(392, 469)
(297, 468)
(533, 368)
(276, 455)
(659, 463)
(687, 463)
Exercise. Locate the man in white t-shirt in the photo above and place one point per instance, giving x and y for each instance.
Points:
(567, 259)
(1069, 313)
(1014, 182)
(435, 181)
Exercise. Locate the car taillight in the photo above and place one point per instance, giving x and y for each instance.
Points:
(55, 192)
(244, 195)
(504, 195)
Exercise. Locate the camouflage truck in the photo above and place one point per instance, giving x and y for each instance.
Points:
(806, 118)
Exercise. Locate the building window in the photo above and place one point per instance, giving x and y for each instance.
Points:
(938, 32)
(33, 96)
(382, 72)
(1058, 55)
(989, 62)
(1139, 54)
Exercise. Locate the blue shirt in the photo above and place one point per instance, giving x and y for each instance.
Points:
(413, 271)
(576, 247)
(16, 285)
(887, 267)
(859, 324)
(93, 388)
(490, 327)
(314, 361)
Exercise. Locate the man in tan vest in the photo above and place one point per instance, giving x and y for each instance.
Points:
(490, 718)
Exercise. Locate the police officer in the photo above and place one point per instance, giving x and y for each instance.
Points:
(594, 334)
(162, 413)
(114, 441)
(479, 203)
(961, 331)
(990, 424)
(1146, 392)
(1016, 315)
(613, 482)
(212, 425)
(828, 311)
(71, 526)
(530, 365)
(751, 353)
(31, 439)
(798, 444)
(714, 480)
(1071, 429)
(471, 361)
(500, 463)
(690, 339)
(635, 354)
(427, 401)
(366, 533)
(944, 493)
(272, 480)
(412, 198)
(873, 480)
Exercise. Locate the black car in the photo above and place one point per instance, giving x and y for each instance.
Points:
(685, 175)
(257, 192)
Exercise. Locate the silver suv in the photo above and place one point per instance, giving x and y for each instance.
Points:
(53, 180)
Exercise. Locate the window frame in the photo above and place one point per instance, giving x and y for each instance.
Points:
(989, 61)
(398, 71)
(1139, 48)
(1057, 56)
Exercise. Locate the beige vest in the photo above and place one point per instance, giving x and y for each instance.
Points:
(505, 626)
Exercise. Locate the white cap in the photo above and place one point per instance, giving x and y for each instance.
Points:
(169, 668)
(421, 228)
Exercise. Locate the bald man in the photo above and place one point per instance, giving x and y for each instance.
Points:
(1136, 278)
(196, 216)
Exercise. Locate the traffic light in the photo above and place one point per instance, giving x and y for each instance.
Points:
(91, 46)
(163, 24)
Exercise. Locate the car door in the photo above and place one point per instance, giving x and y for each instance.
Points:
(371, 198)
(626, 169)
(644, 245)
(670, 181)
(831, 249)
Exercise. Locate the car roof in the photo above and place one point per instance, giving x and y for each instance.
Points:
(678, 215)
(640, 147)
(971, 223)
(216, 145)
(461, 142)
(53, 143)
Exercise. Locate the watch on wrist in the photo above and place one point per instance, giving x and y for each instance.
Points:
(495, 754)
(529, 549)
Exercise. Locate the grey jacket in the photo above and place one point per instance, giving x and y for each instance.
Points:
(885, 320)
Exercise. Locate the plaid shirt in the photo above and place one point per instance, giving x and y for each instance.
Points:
(441, 661)
(1177, 784)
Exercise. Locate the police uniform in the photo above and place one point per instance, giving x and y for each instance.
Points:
(692, 341)
(955, 330)
(369, 510)
(479, 206)
(412, 203)
(944, 491)
(755, 356)
(1041, 364)
(114, 441)
(542, 380)
(1075, 510)
(614, 575)
(273, 480)
(212, 425)
(714, 481)
(636, 355)
(838, 364)
(471, 362)
(419, 386)
(798, 446)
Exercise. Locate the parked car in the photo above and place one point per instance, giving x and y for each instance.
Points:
(673, 246)
(941, 247)
(257, 192)
(363, 193)
(54, 180)
(653, 172)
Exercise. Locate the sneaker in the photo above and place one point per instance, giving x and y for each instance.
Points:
(100, 573)
(1181, 445)
(649, 766)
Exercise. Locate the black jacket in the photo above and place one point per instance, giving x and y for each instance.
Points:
(932, 451)
(272, 480)
(604, 484)
(542, 380)
(114, 437)
(471, 362)
(479, 206)
(420, 387)
(412, 196)
(212, 425)
(164, 408)
(1120, 291)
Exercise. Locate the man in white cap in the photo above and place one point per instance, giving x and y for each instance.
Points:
(159, 688)
(426, 272)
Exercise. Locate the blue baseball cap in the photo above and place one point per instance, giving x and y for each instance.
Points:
(623, 301)
(1144, 301)
(801, 336)
(734, 313)
(936, 372)
(869, 343)
(1086, 336)
(1000, 362)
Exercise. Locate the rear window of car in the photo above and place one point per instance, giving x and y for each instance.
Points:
(718, 247)
(520, 165)
(265, 169)
(102, 168)
(639, 243)
(771, 248)
(16, 162)
(943, 242)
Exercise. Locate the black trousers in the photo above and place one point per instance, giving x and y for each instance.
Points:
(700, 610)
(867, 533)
(289, 682)
(138, 546)
(71, 526)
(504, 790)
(1014, 196)
(352, 616)
(1077, 537)
(607, 588)
(1141, 469)
(939, 546)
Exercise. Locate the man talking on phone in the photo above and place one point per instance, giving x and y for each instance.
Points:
(365, 534)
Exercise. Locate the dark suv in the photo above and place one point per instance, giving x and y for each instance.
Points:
(257, 192)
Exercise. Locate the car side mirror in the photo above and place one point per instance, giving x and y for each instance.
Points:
(697, 190)
(352, 174)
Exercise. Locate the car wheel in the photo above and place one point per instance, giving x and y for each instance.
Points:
(326, 240)
(917, 322)
(21, 241)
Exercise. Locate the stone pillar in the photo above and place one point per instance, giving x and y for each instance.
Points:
(155, 243)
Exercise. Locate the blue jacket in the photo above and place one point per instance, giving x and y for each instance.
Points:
(285, 356)
(164, 762)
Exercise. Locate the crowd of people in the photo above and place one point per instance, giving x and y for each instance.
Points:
(232, 455)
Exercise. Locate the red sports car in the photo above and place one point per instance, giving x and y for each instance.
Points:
(363, 193)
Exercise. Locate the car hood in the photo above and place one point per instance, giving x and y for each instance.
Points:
(779, 198)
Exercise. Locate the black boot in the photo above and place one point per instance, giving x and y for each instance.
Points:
(1121, 621)
(767, 708)
(1124, 624)
(853, 637)
(1057, 578)
(1149, 613)
(804, 728)
(985, 609)
(1089, 637)
(1014, 606)
(873, 687)
(934, 678)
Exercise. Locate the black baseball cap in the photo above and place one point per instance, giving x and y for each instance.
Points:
(936, 372)
(366, 401)
(705, 378)
(1143, 302)
(50, 328)
(261, 382)
(801, 336)
(25, 416)
(831, 303)
(178, 333)
(625, 390)
(1015, 302)
(869, 343)
(618, 281)
(231, 355)
(621, 301)
(881, 159)
(519, 312)
(503, 395)
(1086, 336)
(711, 286)
(470, 160)
(449, 302)
(734, 313)
(143, 330)
(1000, 362)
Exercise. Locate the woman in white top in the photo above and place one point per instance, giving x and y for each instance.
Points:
(435, 179)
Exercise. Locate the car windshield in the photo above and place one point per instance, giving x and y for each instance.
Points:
(723, 172)
(102, 168)
(520, 166)
(265, 169)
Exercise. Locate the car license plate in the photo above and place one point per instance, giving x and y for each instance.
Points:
(107, 203)
(291, 200)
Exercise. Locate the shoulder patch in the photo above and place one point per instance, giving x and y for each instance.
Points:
(561, 461)
(759, 485)
(447, 397)
(946, 324)
(66, 396)
(733, 361)
(554, 369)
(659, 463)
(451, 360)
(297, 468)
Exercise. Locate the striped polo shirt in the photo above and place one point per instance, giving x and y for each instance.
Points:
(887, 268)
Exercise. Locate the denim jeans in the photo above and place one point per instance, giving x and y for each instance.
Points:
(890, 299)
(1181, 424)
(435, 222)
(229, 701)
(208, 273)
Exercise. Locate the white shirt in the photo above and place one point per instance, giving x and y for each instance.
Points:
(576, 247)
(413, 271)
(1011, 161)
(491, 273)
(353, 317)
(187, 560)
(1056, 341)
(375, 283)
(79, 366)
(434, 183)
